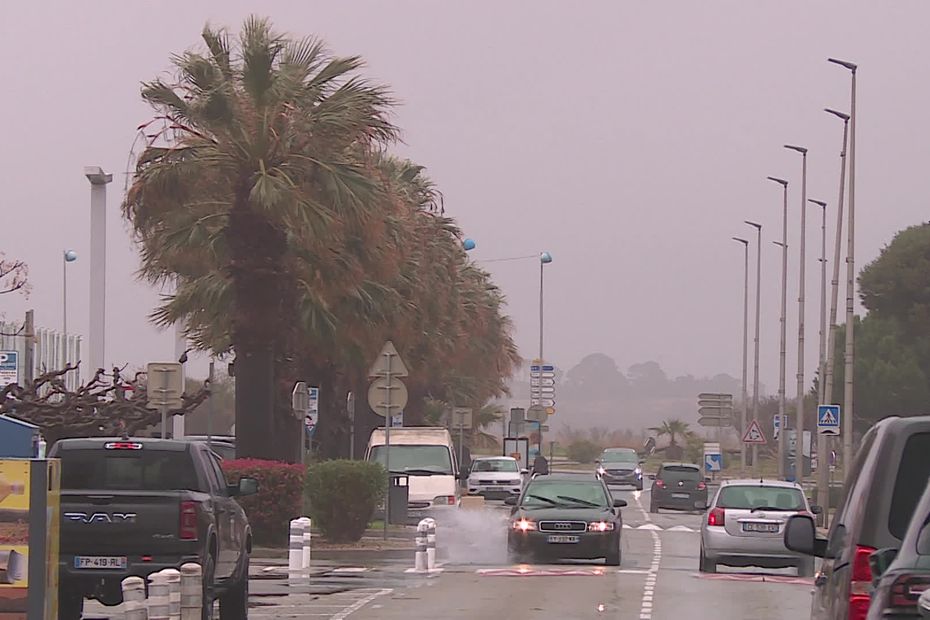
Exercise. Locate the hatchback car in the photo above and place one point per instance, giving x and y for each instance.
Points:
(621, 466)
(903, 574)
(679, 486)
(495, 477)
(745, 526)
(565, 516)
(883, 485)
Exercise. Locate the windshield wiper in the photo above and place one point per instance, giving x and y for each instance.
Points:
(545, 499)
(576, 500)
(420, 471)
(775, 508)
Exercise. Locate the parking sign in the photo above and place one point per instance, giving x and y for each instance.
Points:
(9, 368)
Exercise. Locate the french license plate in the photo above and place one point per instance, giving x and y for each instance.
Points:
(494, 488)
(769, 528)
(562, 539)
(680, 495)
(111, 562)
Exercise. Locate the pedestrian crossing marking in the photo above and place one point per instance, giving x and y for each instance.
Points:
(827, 418)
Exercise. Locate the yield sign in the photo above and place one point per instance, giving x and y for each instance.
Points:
(754, 434)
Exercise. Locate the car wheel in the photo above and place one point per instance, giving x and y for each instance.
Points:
(234, 603)
(70, 605)
(806, 567)
(652, 507)
(639, 487)
(209, 570)
(707, 565)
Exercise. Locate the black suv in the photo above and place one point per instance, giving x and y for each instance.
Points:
(565, 516)
(679, 486)
(883, 486)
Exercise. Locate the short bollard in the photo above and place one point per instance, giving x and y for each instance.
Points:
(191, 591)
(420, 559)
(159, 605)
(173, 576)
(430, 545)
(305, 558)
(295, 555)
(134, 599)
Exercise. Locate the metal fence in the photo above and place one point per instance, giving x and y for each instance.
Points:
(52, 350)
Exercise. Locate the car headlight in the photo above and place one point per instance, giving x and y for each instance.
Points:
(638, 471)
(601, 471)
(523, 525)
(601, 526)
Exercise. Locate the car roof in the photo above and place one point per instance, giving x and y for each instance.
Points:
(693, 465)
(785, 484)
(619, 450)
(567, 477)
(97, 443)
(494, 458)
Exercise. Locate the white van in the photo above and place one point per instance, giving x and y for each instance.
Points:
(427, 456)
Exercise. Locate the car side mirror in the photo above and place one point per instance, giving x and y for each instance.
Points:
(510, 501)
(801, 536)
(880, 560)
(619, 503)
(815, 509)
(524, 472)
(246, 486)
(923, 604)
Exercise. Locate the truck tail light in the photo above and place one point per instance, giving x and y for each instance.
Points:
(444, 500)
(860, 583)
(187, 529)
(716, 516)
(905, 591)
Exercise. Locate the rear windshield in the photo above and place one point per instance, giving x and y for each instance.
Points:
(127, 470)
(495, 465)
(772, 498)
(674, 473)
(565, 493)
(910, 484)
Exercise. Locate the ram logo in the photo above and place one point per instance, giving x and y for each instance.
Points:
(101, 517)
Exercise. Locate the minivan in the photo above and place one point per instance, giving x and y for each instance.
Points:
(883, 486)
(427, 456)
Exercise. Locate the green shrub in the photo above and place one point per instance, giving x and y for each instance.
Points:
(343, 496)
(583, 451)
(279, 497)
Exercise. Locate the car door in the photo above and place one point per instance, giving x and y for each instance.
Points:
(227, 554)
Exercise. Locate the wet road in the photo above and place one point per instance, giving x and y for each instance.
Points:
(657, 580)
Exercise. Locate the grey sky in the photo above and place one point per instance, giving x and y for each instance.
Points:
(629, 139)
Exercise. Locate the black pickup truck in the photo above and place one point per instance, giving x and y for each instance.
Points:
(137, 506)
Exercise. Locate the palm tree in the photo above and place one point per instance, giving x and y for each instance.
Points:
(266, 152)
(672, 428)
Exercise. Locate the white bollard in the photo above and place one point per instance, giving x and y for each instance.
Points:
(305, 558)
(159, 605)
(173, 576)
(420, 563)
(134, 599)
(191, 591)
(430, 545)
(295, 554)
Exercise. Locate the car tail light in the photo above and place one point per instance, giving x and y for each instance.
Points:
(860, 583)
(702, 485)
(660, 483)
(717, 516)
(444, 500)
(188, 526)
(122, 445)
(905, 591)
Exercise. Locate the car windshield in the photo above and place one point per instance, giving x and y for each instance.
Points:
(491, 465)
(620, 456)
(127, 470)
(565, 493)
(678, 473)
(749, 497)
(423, 458)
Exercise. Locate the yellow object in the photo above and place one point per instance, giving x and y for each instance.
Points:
(14, 484)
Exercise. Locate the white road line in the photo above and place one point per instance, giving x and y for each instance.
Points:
(351, 609)
(652, 575)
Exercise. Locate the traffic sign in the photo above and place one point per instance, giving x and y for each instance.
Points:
(728, 404)
(716, 422)
(715, 412)
(714, 396)
(713, 457)
(388, 362)
(164, 384)
(537, 413)
(461, 418)
(387, 399)
(828, 419)
(313, 407)
(753, 434)
(544, 402)
(300, 400)
(9, 368)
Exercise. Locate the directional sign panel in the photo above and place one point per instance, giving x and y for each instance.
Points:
(828, 419)
(709, 396)
(753, 434)
(715, 403)
(715, 412)
(715, 422)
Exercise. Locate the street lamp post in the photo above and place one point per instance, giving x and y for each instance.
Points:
(850, 275)
(98, 263)
(822, 464)
(799, 408)
(755, 371)
(784, 311)
(742, 446)
(68, 256)
(544, 259)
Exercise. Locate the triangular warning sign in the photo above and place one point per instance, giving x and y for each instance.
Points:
(754, 434)
(827, 418)
(388, 362)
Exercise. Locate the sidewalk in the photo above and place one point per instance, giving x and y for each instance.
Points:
(398, 544)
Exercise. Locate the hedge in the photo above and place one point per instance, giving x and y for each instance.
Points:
(279, 498)
(343, 495)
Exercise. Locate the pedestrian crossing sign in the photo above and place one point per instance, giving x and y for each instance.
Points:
(753, 434)
(828, 419)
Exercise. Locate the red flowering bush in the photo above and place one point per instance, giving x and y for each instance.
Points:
(279, 498)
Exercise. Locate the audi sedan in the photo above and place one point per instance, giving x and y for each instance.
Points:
(745, 526)
(565, 516)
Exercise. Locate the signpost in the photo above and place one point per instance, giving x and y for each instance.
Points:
(461, 421)
(716, 410)
(300, 406)
(165, 388)
(9, 368)
(386, 395)
(542, 386)
(828, 420)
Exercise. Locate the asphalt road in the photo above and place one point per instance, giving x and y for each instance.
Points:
(657, 580)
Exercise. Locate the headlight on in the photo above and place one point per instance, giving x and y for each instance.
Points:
(601, 471)
(638, 471)
(601, 526)
(523, 525)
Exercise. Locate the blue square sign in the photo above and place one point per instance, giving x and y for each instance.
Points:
(828, 419)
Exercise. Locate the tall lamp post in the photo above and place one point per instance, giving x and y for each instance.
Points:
(822, 464)
(755, 371)
(850, 276)
(98, 180)
(544, 259)
(742, 446)
(799, 408)
(68, 256)
(784, 311)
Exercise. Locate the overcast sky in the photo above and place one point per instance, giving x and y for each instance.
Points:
(628, 139)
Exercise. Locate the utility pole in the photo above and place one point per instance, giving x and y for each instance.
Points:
(799, 407)
(742, 448)
(784, 310)
(822, 462)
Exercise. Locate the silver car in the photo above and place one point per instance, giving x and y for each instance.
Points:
(745, 523)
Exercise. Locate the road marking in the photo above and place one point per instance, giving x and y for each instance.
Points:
(649, 526)
(526, 571)
(351, 569)
(680, 528)
(652, 575)
(354, 607)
